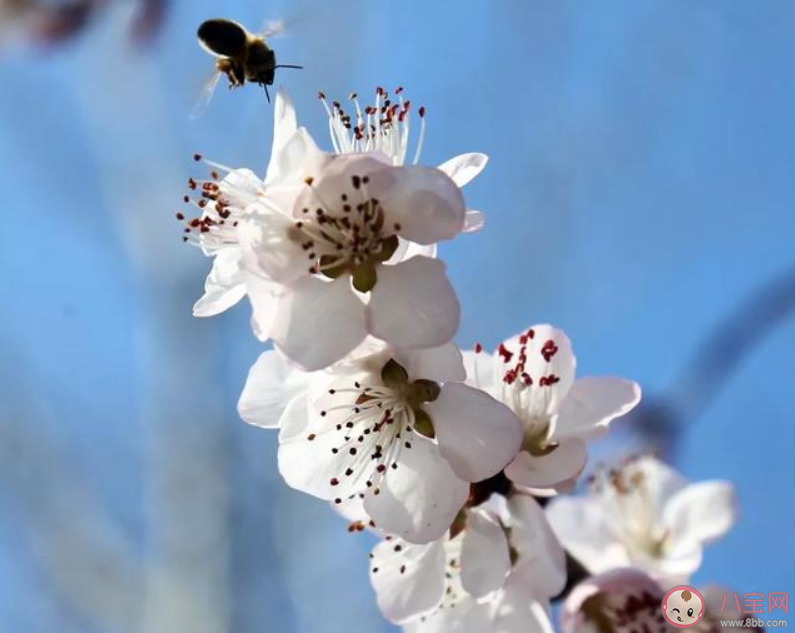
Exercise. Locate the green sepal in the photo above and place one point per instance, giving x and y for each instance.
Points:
(364, 276)
(423, 424)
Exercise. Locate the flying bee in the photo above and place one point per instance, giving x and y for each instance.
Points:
(240, 55)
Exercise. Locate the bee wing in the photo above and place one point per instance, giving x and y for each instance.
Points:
(275, 28)
(206, 94)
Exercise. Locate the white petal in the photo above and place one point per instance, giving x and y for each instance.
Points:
(224, 286)
(420, 499)
(263, 296)
(218, 298)
(474, 221)
(270, 385)
(565, 462)
(413, 304)
(477, 434)
(407, 250)
(442, 364)
(423, 201)
(288, 165)
(616, 587)
(660, 481)
(306, 458)
(294, 421)
(547, 361)
(701, 512)
(408, 579)
(339, 176)
(592, 403)
(318, 322)
(284, 120)
(466, 617)
(268, 246)
(485, 558)
(542, 562)
(582, 529)
(480, 368)
(519, 611)
(464, 167)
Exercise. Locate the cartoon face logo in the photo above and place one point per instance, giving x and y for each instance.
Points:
(683, 606)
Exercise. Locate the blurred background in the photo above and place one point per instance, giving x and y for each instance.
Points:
(639, 195)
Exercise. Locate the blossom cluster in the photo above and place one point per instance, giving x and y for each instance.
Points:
(446, 455)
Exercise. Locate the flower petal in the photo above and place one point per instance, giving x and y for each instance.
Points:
(307, 460)
(296, 154)
(541, 562)
(224, 286)
(466, 617)
(480, 370)
(580, 525)
(270, 385)
(474, 221)
(615, 588)
(408, 579)
(413, 304)
(660, 481)
(519, 611)
(263, 296)
(701, 512)
(344, 178)
(424, 202)
(284, 120)
(442, 364)
(420, 499)
(485, 558)
(592, 403)
(563, 463)
(463, 168)
(477, 434)
(318, 322)
(269, 248)
(547, 363)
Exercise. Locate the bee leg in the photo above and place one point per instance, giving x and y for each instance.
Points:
(267, 94)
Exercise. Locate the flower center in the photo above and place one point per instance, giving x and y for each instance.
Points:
(528, 396)
(349, 237)
(377, 422)
(624, 611)
(221, 204)
(381, 127)
(625, 495)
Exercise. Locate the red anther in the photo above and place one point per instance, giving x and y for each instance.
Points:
(478, 348)
(197, 157)
(421, 111)
(549, 349)
(180, 216)
(505, 353)
(321, 95)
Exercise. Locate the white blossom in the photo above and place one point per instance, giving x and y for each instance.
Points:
(399, 430)
(624, 600)
(644, 515)
(336, 268)
(534, 374)
(494, 571)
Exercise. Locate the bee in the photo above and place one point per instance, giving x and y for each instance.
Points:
(240, 55)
